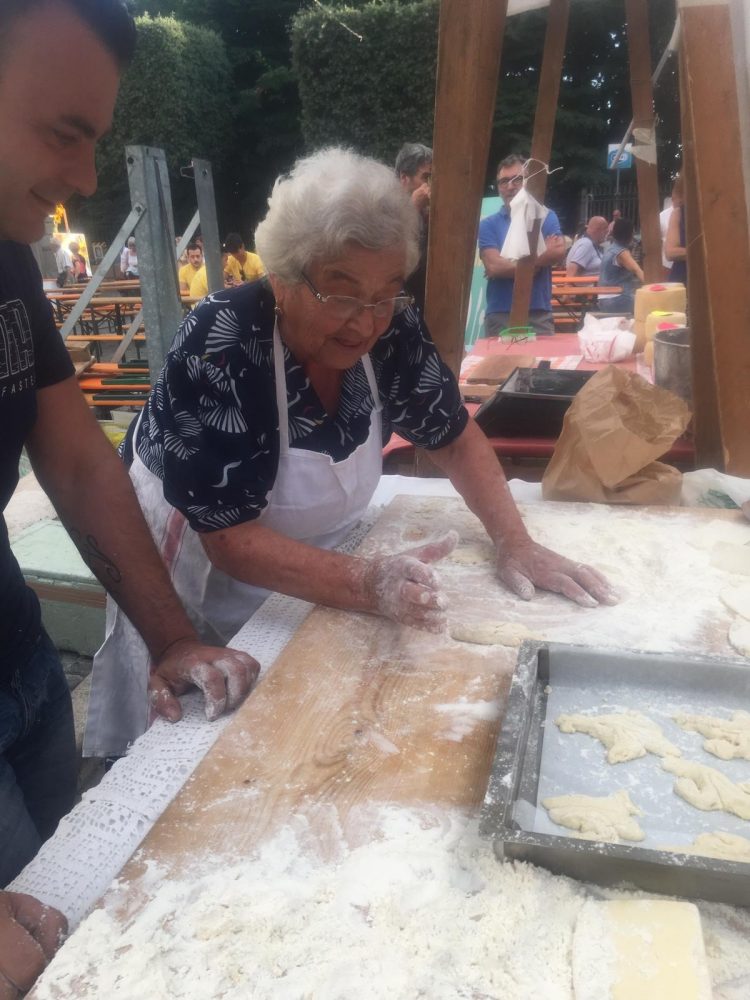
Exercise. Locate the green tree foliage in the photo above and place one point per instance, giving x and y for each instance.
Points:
(262, 98)
(174, 96)
(367, 75)
(375, 93)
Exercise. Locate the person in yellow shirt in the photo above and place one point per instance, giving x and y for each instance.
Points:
(198, 288)
(250, 263)
(188, 271)
(232, 270)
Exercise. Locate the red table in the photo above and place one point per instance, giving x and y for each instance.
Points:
(556, 347)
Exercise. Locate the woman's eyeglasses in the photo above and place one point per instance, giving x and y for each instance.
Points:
(343, 307)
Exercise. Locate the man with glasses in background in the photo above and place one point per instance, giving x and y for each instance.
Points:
(500, 271)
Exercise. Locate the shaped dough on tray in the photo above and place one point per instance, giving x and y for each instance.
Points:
(706, 788)
(725, 738)
(626, 735)
(721, 845)
(608, 818)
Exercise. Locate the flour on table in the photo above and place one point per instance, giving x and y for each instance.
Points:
(491, 633)
(739, 636)
(607, 818)
(626, 735)
(725, 738)
(737, 599)
(706, 788)
(725, 846)
(421, 908)
(465, 715)
(473, 555)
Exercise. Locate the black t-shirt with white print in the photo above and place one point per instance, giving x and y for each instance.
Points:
(32, 356)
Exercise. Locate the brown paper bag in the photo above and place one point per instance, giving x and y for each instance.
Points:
(616, 427)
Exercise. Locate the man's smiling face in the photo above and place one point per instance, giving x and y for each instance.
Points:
(58, 85)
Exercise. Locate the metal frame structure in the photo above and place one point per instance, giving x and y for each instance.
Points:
(152, 220)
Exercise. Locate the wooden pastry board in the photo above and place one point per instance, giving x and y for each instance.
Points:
(354, 709)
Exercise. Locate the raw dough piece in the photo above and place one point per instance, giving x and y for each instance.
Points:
(728, 532)
(731, 558)
(725, 846)
(473, 555)
(626, 735)
(739, 636)
(706, 788)
(597, 818)
(651, 949)
(737, 599)
(492, 633)
(725, 738)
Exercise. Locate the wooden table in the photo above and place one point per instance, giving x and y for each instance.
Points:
(399, 451)
(577, 298)
(348, 713)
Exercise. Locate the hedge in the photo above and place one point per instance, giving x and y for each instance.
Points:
(374, 94)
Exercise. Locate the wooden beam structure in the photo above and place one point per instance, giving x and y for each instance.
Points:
(541, 146)
(718, 269)
(469, 49)
(705, 405)
(642, 93)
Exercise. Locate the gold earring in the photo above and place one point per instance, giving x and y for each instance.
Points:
(277, 309)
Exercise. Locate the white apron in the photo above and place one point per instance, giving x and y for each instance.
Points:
(313, 500)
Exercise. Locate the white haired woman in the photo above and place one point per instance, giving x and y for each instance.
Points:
(261, 444)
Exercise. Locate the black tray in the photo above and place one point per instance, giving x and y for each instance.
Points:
(531, 402)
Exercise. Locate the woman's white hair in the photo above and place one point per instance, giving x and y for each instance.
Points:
(332, 198)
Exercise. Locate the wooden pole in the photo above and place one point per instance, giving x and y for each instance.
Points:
(642, 92)
(706, 425)
(720, 222)
(541, 146)
(469, 49)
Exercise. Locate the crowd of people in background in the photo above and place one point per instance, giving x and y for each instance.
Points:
(238, 265)
(608, 251)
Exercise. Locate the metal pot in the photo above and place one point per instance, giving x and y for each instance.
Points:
(672, 368)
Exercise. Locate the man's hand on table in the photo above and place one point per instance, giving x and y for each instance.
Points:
(524, 565)
(30, 934)
(225, 676)
(406, 590)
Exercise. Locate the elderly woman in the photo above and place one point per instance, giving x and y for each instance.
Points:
(261, 444)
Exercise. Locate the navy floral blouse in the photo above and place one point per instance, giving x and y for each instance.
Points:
(210, 430)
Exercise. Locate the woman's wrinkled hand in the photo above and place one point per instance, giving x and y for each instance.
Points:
(525, 565)
(406, 589)
(30, 934)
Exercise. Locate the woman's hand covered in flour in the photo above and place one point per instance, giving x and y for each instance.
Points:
(523, 565)
(225, 676)
(407, 590)
(30, 934)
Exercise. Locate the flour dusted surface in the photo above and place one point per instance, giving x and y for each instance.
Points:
(426, 911)
(423, 910)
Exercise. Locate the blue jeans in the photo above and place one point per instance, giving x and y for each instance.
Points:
(38, 758)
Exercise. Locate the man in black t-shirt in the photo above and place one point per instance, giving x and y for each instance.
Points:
(49, 125)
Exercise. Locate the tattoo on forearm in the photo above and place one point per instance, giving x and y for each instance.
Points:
(94, 557)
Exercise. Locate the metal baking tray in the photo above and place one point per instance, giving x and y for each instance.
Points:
(533, 760)
(531, 402)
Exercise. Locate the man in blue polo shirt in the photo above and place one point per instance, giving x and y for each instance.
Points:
(500, 271)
